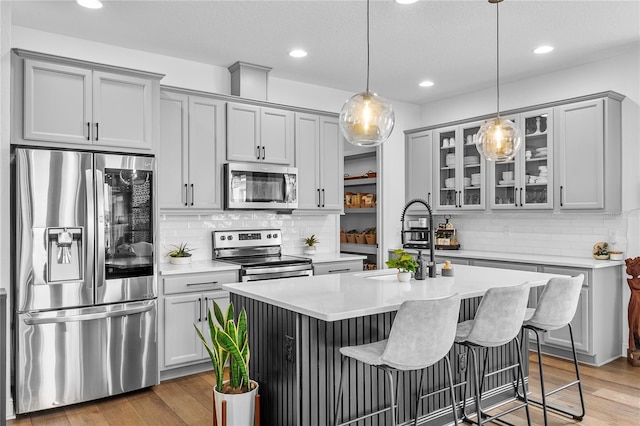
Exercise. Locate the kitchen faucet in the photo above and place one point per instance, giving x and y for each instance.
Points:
(432, 262)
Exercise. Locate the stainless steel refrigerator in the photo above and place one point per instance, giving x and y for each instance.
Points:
(85, 293)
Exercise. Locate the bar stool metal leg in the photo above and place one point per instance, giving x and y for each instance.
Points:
(545, 394)
(339, 398)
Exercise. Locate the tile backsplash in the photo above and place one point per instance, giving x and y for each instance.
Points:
(539, 232)
(195, 229)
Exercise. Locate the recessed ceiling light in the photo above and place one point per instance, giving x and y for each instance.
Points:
(90, 4)
(297, 53)
(426, 83)
(542, 49)
(406, 1)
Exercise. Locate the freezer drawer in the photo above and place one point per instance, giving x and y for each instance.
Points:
(74, 355)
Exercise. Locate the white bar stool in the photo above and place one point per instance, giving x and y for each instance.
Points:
(498, 321)
(556, 308)
(422, 334)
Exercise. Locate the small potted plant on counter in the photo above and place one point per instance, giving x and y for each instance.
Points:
(180, 255)
(405, 263)
(310, 243)
(230, 342)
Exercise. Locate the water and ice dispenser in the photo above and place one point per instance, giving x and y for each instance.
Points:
(65, 254)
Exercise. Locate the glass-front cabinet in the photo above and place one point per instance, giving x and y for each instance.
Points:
(527, 180)
(460, 171)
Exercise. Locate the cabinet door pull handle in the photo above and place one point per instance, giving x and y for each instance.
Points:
(263, 153)
(88, 131)
(186, 195)
(561, 196)
(200, 313)
(429, 198)
(521, 191)
(206, 309)
(192, 194)
(207, 283)
(323, 197)
(459, 199)
(96, 131)
(258, 153)
(318, 197)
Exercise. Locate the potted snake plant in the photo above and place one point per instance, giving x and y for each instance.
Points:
(229, 342)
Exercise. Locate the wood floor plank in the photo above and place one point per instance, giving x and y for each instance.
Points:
(184, 405)
(119, 411)
(153, 409)
(85, 414)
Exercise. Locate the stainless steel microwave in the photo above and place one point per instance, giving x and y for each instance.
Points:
(256, 186)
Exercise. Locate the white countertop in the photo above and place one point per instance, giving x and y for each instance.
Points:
(331, 257)
(342, 296)
(577, 262)
(196, 267)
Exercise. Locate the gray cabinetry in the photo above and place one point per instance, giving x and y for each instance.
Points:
(191, 151)
(418, 154)
(588, 136)
(571, 159)
(338, 267)
(319, 161)
(597, 327)
(62, 100)
(259, 134)
(184, 302)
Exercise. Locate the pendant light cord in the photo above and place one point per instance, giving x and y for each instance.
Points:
(498, 60)
(367, 46)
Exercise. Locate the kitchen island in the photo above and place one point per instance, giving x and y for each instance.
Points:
(297, 325)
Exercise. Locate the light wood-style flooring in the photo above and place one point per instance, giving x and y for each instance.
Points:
(612, 394)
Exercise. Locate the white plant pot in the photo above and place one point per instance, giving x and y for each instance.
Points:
(310, 250)
(404, 277)
(180, 260)
(240, 407)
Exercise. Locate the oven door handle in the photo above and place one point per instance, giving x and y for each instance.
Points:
(278, 276)
(276, 269)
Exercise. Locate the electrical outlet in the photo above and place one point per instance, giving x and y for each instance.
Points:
(462, 362)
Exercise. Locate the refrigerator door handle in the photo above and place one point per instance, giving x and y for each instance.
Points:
(38, 320)
(99, 176)
(88, 251)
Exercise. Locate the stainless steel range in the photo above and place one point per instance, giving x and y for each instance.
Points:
(259, 253)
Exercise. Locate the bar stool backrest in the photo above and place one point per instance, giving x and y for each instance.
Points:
(558, 303)
(499, 317)
(422, 333)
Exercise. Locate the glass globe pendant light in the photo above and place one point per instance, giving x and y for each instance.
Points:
(498, 139)
(367, 119)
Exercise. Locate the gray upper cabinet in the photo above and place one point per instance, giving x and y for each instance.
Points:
(571, 159)
(72, 102)
(418, 154)
(589, 154)
(259, 134)
(191, 151)
(319, 161)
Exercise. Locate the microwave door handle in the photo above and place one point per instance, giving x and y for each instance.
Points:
(99, 228)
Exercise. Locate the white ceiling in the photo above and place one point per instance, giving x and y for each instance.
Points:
(449, 42)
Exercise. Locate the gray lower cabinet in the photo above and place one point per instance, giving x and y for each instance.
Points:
(597, 327)
(339, 267)
(185, 301)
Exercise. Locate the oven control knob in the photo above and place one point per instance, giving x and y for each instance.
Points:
(268, 235)
(230, 237)
(275, 235)
(222, 237)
